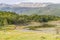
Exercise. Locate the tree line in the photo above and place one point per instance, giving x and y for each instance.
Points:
(9, 18)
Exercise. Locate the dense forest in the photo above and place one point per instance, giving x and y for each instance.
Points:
(9, 18)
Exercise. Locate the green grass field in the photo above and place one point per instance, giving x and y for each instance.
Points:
(20, 35)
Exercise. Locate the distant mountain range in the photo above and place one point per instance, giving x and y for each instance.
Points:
(32, 8)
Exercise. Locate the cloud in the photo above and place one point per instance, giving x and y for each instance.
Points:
(18, 1)
(55, 1)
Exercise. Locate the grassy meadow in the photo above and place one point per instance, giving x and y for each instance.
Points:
(15, 27)
(30, 35)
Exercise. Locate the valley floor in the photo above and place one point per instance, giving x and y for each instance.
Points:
(24, 34)
(27, 35)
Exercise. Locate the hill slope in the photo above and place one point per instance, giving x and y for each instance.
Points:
(48, 9)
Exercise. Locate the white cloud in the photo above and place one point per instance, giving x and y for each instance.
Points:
(54, 1)
(17, 1)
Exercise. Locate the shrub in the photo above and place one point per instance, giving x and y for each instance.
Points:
(41, 26)
(47, 25)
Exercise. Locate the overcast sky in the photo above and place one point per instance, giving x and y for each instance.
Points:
(18, 1)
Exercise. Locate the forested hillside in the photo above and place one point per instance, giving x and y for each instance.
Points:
(9, 18)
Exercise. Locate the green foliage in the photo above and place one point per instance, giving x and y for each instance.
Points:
(32, 27)
(8, 18)
(41, 26)
(47, 25)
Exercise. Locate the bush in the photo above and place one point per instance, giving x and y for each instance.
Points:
(47, 25)
(41, 26)
(31, 27)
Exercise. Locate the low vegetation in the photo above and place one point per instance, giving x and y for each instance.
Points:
(41, 26)
(8, 18)
(11, 18)
(20, 35)
(10, 21)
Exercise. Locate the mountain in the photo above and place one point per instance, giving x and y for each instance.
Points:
(4, 5)
(30, 4)
(32, 8)
(22, 7)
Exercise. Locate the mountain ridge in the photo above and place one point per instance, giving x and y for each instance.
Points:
(27, 9)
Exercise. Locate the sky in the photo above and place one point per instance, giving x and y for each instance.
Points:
(19, 1)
